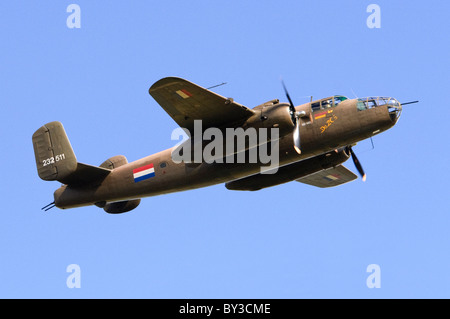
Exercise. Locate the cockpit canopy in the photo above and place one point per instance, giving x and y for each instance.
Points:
(327, 102)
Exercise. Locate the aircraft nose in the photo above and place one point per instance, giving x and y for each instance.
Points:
(393, 106)
(394, 109)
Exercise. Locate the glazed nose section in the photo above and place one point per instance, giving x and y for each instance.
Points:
(393, 106)
(394, 109)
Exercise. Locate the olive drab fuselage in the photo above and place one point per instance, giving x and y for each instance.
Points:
(326, 127)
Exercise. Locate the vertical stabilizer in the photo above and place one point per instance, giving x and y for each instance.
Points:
(55, 159)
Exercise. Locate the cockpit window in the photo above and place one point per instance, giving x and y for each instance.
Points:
(327, 103)
(315, 106)
(338, 99)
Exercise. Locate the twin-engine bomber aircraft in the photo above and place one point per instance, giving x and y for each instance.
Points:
(312, 141)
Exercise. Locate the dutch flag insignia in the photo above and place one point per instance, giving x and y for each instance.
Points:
(143, 173)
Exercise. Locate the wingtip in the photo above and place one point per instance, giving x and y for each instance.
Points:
(165, 81)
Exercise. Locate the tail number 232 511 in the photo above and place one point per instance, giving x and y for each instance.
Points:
(53, 159)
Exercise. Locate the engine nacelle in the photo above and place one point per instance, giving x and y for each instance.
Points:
(272, 116)
(121, 207)
(114, 162)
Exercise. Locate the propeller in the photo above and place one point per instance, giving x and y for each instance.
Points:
(295, 120)
(357, 163)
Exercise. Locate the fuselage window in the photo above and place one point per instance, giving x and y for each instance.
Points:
(367, 103)
(163, 164)
(361, 105)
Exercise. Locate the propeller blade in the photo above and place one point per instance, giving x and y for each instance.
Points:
(357, 164)
(295, 120)
(291, 104)
(296, 136)
(287, 93)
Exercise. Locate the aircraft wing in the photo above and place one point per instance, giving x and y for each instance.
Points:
(329, 177)
(185, 102)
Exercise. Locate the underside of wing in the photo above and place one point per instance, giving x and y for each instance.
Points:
(185, 102)
(329, 178)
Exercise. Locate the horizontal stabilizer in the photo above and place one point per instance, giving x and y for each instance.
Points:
(86, 174)
(329, 178)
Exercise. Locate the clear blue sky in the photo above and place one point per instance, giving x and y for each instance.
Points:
(290, 241)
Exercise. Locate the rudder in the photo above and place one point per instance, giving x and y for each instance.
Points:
(55, 159)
